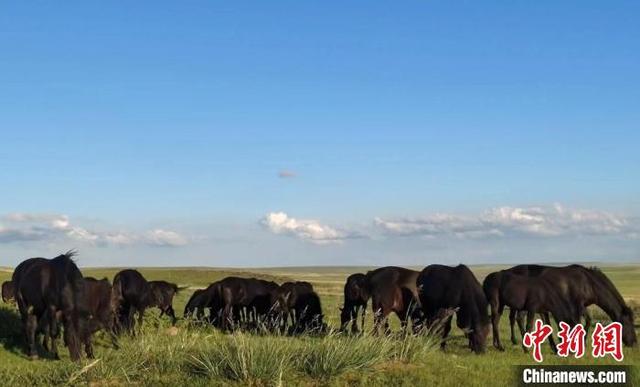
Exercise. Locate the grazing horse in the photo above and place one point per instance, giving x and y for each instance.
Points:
(584, 287)
(444, 288)
(162, 293)
(299, 302)
(356, 297)
(530, 294)
(233, 294)
(46, 326)
(102, 316)
(308, 314)
(48, 290)
(609, 299)
(196, 304)
(8, 292)
(393, 289)
(131, 294)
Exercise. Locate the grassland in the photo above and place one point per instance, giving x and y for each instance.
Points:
(199, 355)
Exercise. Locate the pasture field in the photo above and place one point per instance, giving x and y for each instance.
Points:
(199, 355)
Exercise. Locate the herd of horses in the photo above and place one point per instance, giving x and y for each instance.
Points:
(53, 296)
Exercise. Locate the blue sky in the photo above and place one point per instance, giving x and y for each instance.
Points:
(156, 133)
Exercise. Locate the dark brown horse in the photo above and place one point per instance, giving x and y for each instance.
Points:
(162, 293)
(584, 287)
(285, 299)
(8, 292)
(444, 288)
(356, 297)
(102, 316)
(530, 294)
(230, 296)
(131, 294)
(197, 304)
(393, 289)
(48, 290)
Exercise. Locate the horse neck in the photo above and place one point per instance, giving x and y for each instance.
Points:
(610, 302)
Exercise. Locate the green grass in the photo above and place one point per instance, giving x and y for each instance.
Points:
(200, 355)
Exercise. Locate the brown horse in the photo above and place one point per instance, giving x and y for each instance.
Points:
(356, 297)
(584, 287)
(8, 292)
(530, 294)
(48, 290)
(393, 289)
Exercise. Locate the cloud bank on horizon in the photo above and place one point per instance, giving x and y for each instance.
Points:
(25, 227)
(500, 222)
(500, 234)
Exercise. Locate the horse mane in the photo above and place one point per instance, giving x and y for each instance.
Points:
(69, 255)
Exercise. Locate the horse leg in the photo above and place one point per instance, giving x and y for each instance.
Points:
(446, 328)
(520, 320)
(404, 317)
(387, 328)
(587, 323)
(55, 331)
(129, 320)
(496, 314)
(171, 313)
(512, 323)
(377, 318)
(353, 319)
(364, 312)
(547, 320)
(31, 327)
(226, 318)
(88, 346)
(45, 327)
(140, 319)
(530, 316)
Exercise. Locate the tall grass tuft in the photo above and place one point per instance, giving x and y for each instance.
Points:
(334, 354)
(246, 358)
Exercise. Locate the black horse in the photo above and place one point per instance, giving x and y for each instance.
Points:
(393, 289)
(298, 303)
(8, 292)
(196, 305)
(445, 288)
(131, 294)
(232, 296)
(308, 314)
(48, 291)
(356, 297)
(102, 316)
(583, 287)
(528, 294)
(162, 293)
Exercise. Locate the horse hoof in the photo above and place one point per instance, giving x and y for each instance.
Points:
(500, 348)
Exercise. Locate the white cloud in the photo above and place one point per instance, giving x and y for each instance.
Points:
(160, 237)
(535, 221)
(25, 227)
(305, 229)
